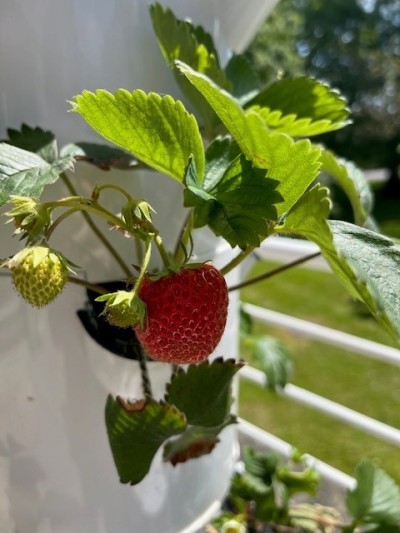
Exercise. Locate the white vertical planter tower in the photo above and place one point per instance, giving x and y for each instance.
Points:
(56, 469)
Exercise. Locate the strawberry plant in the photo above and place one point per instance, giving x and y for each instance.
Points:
(247, 171)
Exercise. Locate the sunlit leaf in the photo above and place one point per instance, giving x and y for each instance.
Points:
(293, 164)
(301, 107)
(157, 130)
(352, 181)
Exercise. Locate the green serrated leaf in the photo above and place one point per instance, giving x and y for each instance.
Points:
(24, 173)
(102, 156)
(352, 181)
(293, 164)
(274, 360)
(203, 392)
(136, 431)
(180, 39)
(194, 442)
(157, 130)
(376, 498)
(308, 217)
(349, 249)
(248, 487)
(35, 140)
(238, 206)
(301, 107)
(244, 79)
(377, 281)
(262, 465)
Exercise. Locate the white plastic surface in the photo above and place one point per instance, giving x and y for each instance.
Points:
(56, 470)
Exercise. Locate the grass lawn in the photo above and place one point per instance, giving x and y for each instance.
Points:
(363, 384)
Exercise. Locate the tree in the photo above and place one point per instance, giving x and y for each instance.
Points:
(354, 45)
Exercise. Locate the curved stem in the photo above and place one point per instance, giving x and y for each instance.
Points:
(93, 287)
(144, 265)
(115, 188)
(237, 260)
(274, 272)
(162, 251)
(124, 267)
(183, 238)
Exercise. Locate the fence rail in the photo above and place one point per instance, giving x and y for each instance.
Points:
(285, 250)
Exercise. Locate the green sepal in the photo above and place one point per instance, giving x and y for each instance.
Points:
(136, 430)
(123, 308)
(194, 442)
(203, 392)
(30, 217)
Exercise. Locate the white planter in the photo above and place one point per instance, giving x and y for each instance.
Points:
(56, 469)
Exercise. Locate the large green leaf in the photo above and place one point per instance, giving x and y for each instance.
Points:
(238, 206)
(367, 263)
(194, 442)
(203, 392)
(157, 130)
(35, 140)
(136, 431)
(376, 498)
(301, 107)
(25, 173)
(371, 264)
(352, 181)
(179, 39)
(293, 164)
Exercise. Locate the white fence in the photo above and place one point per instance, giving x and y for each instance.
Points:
(287, 250)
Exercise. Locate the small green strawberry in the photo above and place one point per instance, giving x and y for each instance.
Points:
(123, 308)
(186, 314)
(39, 274)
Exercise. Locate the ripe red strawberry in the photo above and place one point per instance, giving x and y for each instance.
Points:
(186, 314)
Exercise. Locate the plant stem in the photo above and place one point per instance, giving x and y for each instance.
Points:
(237, 260)
(183, 237)
(144, 371)
(96, 230)
(162, 251)
(274, 272)
(115, 188)
(93, 287)
(144, 264)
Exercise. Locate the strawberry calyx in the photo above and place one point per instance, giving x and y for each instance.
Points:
(123, 308)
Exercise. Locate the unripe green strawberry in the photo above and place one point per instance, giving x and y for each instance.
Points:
(186, 314)
(123, 308)
(39, 274)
